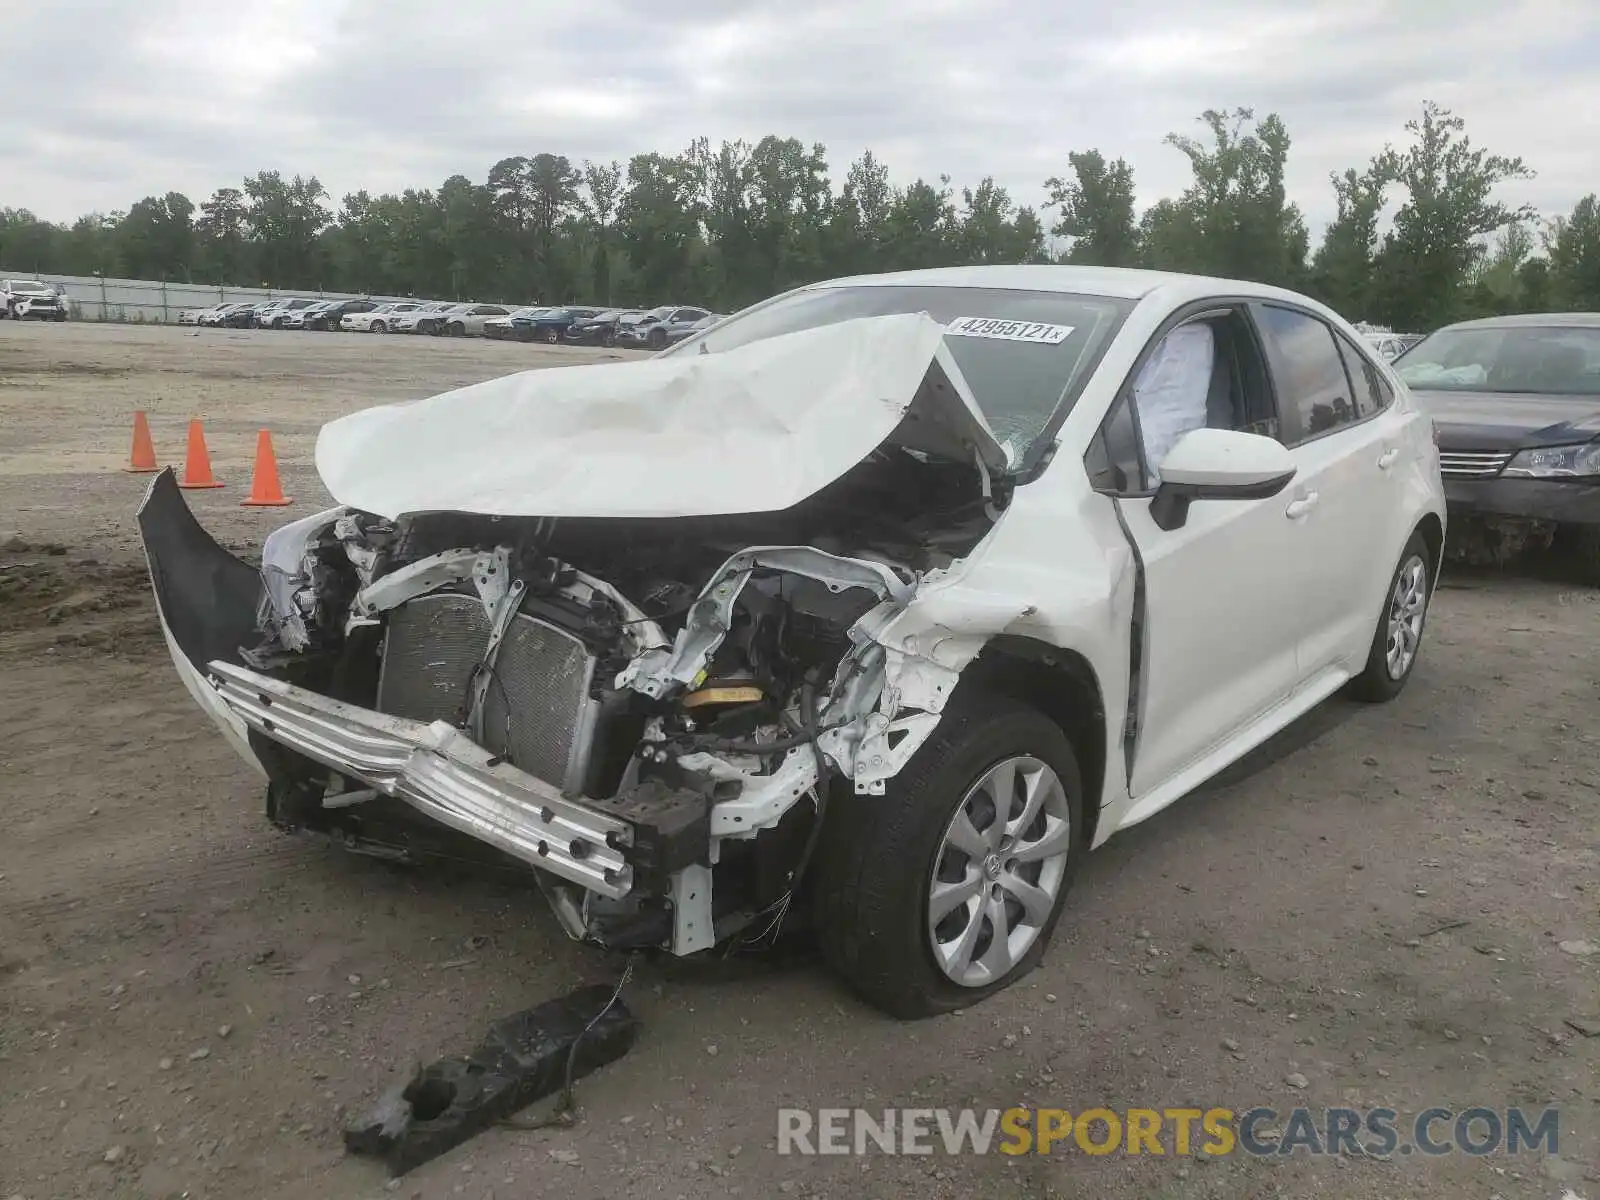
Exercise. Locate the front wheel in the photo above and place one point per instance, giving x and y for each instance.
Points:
(552, 336)
(946, 889)
(1397, 641)
(379, 327)
(457, 329)
(658, 339)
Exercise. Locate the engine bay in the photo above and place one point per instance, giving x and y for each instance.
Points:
(669, 670)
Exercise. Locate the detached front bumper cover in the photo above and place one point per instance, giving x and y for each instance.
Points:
(442, 773)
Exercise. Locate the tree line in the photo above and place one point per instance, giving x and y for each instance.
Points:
(1418, 237)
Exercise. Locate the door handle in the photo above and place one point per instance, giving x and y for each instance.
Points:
(1299, 508)
(1386, 459)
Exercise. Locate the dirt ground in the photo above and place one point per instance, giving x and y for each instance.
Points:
(191, 1003)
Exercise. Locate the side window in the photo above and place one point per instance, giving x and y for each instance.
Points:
(1113, 460)
(1312, 383)
(1206, 372)
(1371, 393)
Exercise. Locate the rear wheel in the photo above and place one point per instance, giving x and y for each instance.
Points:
(1397, 641)
(457, 329)
(946, 889)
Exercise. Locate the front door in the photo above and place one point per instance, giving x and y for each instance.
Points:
(1224, 592)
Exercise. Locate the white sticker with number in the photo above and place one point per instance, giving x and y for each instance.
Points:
(1009, 331)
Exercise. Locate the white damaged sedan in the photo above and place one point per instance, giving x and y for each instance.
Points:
(874, 606)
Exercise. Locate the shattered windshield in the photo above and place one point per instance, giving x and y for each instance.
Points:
(1023, 353)
(1538, 360)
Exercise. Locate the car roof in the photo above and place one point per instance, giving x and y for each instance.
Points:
(1570, 320)
(1123, 283)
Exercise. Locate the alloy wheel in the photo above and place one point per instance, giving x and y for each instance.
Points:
(998, 871)
(1408, 607)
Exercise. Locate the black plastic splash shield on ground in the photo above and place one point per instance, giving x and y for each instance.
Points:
(523, 1058)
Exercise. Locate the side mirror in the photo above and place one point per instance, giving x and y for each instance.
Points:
(1218, 464)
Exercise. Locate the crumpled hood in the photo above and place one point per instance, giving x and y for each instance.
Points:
(754, 429)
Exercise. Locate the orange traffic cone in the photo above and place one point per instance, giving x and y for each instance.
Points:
(197, 465)
(265, 490)
(143, 459)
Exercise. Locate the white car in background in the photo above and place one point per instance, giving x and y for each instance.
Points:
(379, 319)
(876, 605)
(295, 318)
(468, 320)
(427, 318)
(32, 300)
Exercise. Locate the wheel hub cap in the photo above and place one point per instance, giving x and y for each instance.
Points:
(998, 871)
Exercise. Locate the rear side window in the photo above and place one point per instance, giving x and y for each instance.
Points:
(1312, 383)
(1370, 392)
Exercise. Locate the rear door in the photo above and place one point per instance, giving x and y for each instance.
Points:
(1347, 448)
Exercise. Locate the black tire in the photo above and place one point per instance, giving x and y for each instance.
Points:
(609, 338)
(552, 336)
(378, 327)
(1378, 682)
(658, 339)
(61, 317)
(876, 856)
(456, 329)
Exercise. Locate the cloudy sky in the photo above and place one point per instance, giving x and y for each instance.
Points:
(111, 100)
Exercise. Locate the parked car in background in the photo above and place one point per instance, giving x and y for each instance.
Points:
(467, 320)
(426, 319)
(1393, 345)
(1515, 402)
(378, 319)
(245, 316)
(296, 318)
(946, 576)
(32, 300)
(328, 315)
(599, 329)
(499, 328)
(549, 324)
(677, 334)
(219, 314)
(660, 327)
(278, 318)
(191, 316)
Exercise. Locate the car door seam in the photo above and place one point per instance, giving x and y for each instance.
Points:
(1136, 638)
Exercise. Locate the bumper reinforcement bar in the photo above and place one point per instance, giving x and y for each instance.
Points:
(442, 773)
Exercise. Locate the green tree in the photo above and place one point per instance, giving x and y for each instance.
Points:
(602, 194)
(659, 222)
(156, 240)
(1429, 256)
(1573, 246)
(285, 218)
(1342, 273)
(1096, 204)
(222, 237)
(1235, 218)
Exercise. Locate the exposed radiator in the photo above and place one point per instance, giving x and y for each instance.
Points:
(537, 712)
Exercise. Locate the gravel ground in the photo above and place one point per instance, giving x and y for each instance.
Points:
(1384, 906)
